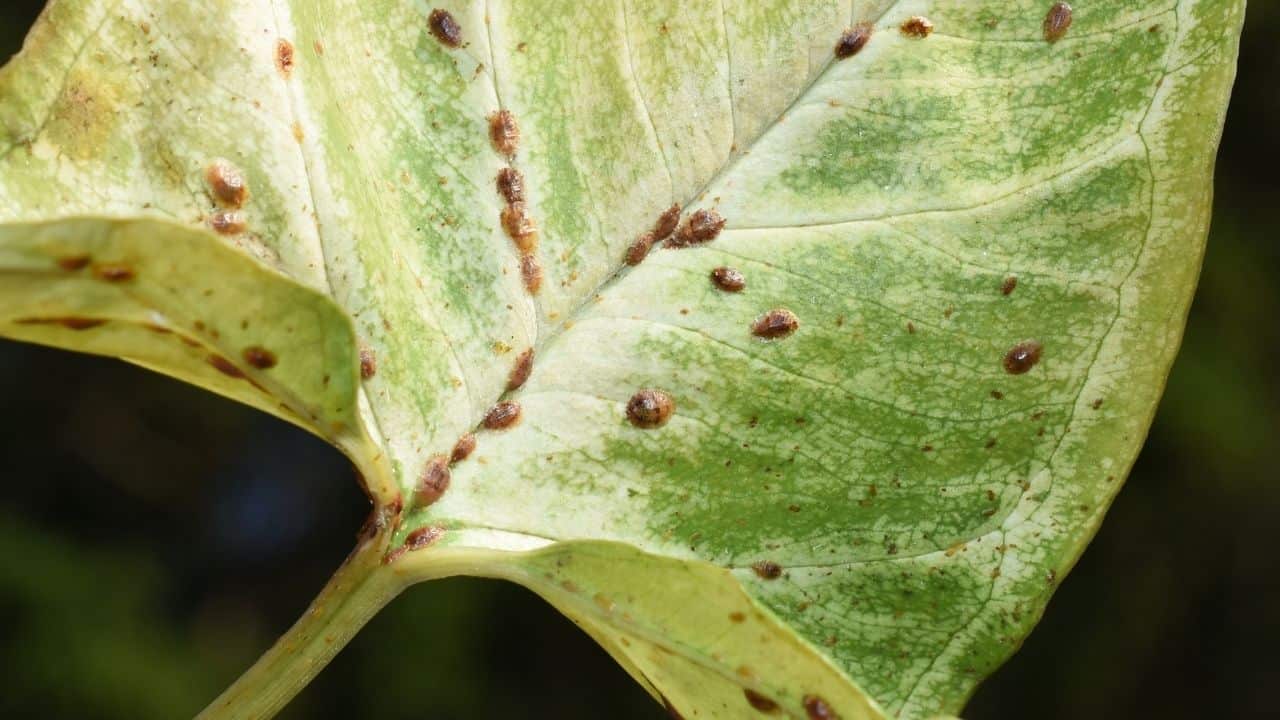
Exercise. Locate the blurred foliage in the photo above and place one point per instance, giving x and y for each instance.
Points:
(154, 539)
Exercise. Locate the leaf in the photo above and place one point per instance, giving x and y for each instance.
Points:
(970, 252)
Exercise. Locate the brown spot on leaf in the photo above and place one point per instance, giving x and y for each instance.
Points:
(775, 324)
(71, 263)
(224, 366)
(521, 228)
(531, 272)
(504, 133)
(701, 227)
(1007, 287)
(260, 358)
(737, 617)
(368, 363)
(760, 702)
(639, 249)
(463, 448)
(917, 26)
(1022, 357)
(853, 40)
(71, 323)
(502, 416)
(433, 481)
(728, 279)
(818, 709)
(767, 569)
(444, 28)
(649, 409)
(227, 222)
(667, 223)
(227, 184)
(113, 272)
(284, 58)
(511, 185)
(1057, 22)
(520, 373)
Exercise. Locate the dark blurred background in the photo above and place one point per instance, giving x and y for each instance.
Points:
(154, 539)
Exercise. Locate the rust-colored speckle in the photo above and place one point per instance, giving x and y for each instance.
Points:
(701, 227)
(113, 272)
(224, 366)
(444, 28)
(511, 185)
(504, 133)
(649, 409)
(531, 272)
(284, 58)
(767, 569)
(818, 709)
(70, 322)
(737, 617)
(260, 358)
(728, 279)
(521, 228)
(227, 222)
(368, 363)
(227, 184)
(1022, 357)
(463, 448)
(760, 702)
(433, 481)
(502, 416)
(775, 324)
(639, 249)
(917, 26)
(520, 373)
(853, 40)
(1007, 287)
(667, 223)
(1057, 22)
(72, 263)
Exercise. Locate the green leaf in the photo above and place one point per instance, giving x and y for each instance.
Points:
(985, 239)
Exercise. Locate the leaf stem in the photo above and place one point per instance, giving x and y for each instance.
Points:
(355, 593)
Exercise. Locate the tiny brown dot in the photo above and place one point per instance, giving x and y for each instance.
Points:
(775, 324)
(767, 569)
(227, 222)
(463, 448)
(368, 363)
(639, 249)
(667, 223)
(504, 133)
(260, 358)
(72, 263)
(502, 416)
(511, 185)
(520, 373)
(433, 481)
(818, 709)
(853, 40)
(1022, 357)
(445, 28)
(112, 272)
(226, 184)
(760, 702)
(1008, 286)
(917, 26)
(728, 279)
(1057, 22)
(649, 409)
(531, 273)
(284, 58)
(224, 366)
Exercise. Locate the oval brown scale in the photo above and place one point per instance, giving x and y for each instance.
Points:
(224, 366)
(818, 709)
(511, 185)
(423, 537)
(728, 279)
(80, 323)
(1057, 22)
(1007, 287)
(368, 363)
(445, 28)
(767, 569)
(649, 409)
(260, 358)
(639, 249)
(284, 58)
(775, 324)
(917, 26)
(502, 416)
(521, 228)
(701, 227)
(227, 222)
(667, 223)
(227, 184)
(760, 702)
(463, 448)
(853, 40)
(504, 133)
(531, 272)
(72, 263)
(433, 481)
(1022, 357)
(113, 272)
(520, 373)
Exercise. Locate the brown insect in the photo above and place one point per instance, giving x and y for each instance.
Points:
(775, 324)
(520, 227)
(227, 184)
(284, 57)
(649, 409)
(227, 222)
(463, 448)
(917, 26)
(1022, 357)
(853, 40)
(502, 416)
(639, 249)
(667, 223)
(520, 373)
(445, 28)
(511, 185)
(433, 481)
(531, 272)
(1057, 22)
(368, 363)
(702, 226)
(728, 279)
(504, 133)
(818, 709)
(260, 358)
(767, 569)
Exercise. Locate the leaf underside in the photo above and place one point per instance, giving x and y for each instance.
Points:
(870, 512)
